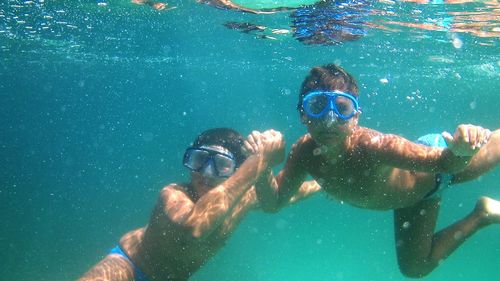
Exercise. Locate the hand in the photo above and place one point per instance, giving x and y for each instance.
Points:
(467, 139)
(253, 142)
(269, 144)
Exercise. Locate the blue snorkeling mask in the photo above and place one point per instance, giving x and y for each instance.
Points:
(196, 159)
(318, 104)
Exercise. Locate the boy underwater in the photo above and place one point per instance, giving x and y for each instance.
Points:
(191, 221)
(372, 170)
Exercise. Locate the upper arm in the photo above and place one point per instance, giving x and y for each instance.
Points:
(399, 152)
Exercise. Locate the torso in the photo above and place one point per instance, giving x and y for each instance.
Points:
(355, 177)
(164, 253)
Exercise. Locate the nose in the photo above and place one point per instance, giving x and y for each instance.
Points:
(330, 118)
(208, 169)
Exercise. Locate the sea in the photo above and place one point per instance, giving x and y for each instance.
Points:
(99, 99)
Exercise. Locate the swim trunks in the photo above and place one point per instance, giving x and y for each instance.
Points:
(443, 180)
(138, 274)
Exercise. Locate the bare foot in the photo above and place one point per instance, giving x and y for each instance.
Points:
(490, 209)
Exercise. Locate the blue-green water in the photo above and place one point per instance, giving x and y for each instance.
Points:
(98, 103)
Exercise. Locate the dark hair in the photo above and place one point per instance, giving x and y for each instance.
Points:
(328, 78)
(225, 137)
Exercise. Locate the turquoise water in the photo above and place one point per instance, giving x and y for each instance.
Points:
(99, 102)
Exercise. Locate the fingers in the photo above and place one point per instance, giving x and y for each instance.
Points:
(448, 138)
(467, 140)
(483, 137)
(488, 135)
(256, 136)
(273, 138)
(264, 142)
(248, 148)
(474, 136)
(461, 134)
(253, 142)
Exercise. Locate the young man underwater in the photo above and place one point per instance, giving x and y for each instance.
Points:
(192, 221)
(372, 170)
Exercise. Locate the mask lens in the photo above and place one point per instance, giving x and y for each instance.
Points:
(316, 104)
(224, 165)
(345, 106)
(195, 159)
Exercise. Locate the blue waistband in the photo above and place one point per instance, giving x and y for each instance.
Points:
(443, 180)
(138, 274)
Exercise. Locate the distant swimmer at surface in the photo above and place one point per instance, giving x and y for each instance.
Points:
(220, 4)
(329, 22)
(159, 6)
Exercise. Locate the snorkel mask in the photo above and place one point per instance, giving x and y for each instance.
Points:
(198, 159)
(341, 105)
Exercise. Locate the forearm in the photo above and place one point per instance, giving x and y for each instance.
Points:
(217, 204)
(401, 153)
(306, 189)
(266, 189)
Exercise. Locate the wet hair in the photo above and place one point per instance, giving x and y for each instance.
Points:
(328, 77)
(225, 137)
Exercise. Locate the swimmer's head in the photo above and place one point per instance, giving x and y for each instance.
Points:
(226, 138)
(328, 77)
(213, 157)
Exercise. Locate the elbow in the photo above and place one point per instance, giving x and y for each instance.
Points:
(197, 233)
(414, 274)
(271, 209)
(415, 270)
(196, 230)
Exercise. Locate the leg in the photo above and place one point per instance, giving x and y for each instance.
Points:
(112, 268)
(486, 159)
(419, 249)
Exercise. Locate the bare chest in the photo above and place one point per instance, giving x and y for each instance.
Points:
(352, 180)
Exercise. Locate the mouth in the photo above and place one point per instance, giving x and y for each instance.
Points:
(327, 135)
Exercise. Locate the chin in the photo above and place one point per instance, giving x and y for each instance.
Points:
(212, 182)
(328, 138)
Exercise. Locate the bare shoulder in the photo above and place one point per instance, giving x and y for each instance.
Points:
(173, 188)
(176, 202)
(365, 138)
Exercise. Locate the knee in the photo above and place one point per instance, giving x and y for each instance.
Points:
(415, 269)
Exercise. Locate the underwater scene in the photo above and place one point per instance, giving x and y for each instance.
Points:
(100, 99)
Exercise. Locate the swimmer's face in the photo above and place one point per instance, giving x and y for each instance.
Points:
(207, 175)
(330, 129)
(330, 116)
